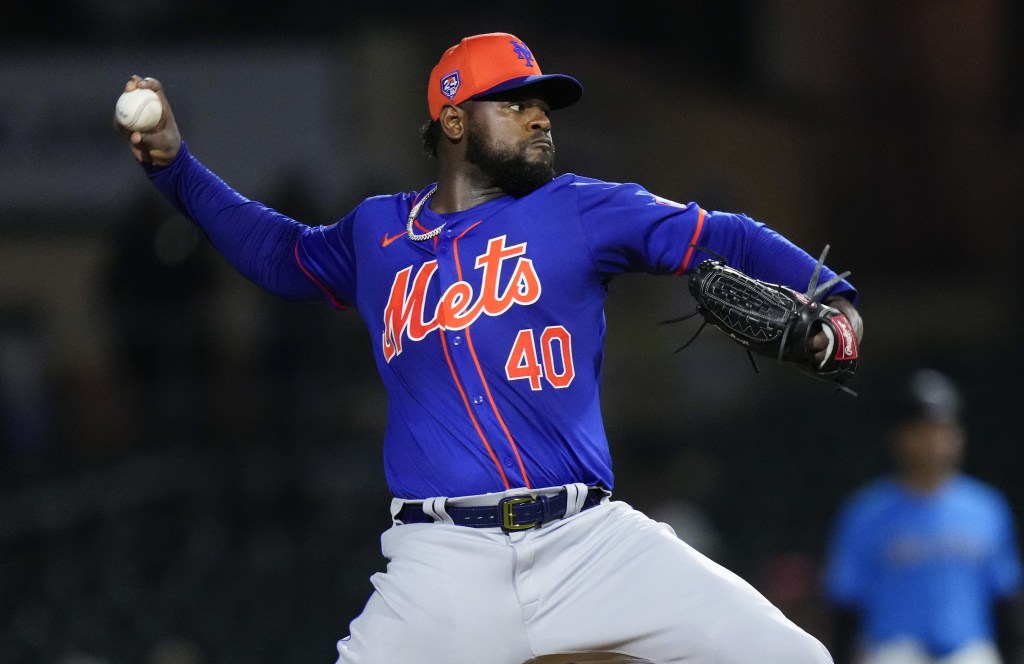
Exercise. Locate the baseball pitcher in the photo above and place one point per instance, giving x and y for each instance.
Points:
(483, 295)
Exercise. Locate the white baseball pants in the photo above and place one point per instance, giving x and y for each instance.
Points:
(604, 585)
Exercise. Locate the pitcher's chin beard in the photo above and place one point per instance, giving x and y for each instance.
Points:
(508, 169)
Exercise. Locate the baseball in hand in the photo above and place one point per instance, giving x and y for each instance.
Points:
(138, 110)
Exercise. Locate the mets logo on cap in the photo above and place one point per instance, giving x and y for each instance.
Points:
(523, 53)
(450, 84)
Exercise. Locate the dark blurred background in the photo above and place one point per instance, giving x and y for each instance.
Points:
(190, 469)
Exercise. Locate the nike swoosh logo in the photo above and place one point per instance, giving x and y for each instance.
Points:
(389, 239)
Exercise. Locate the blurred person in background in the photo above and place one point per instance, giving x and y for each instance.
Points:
(923, 565)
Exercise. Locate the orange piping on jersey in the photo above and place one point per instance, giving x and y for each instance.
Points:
(426, 230)
(693, 240)
(480, 372)
(338, 304)
(494, 407)
(469, 411)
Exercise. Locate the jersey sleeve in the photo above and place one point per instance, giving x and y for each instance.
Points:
(755, 249)
(257, 241)
(630, 229)
(1004, 566)
(326, 255)
(846, 568)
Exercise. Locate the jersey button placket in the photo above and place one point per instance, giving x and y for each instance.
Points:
(445, 245)
(461, 358)
(458, 340)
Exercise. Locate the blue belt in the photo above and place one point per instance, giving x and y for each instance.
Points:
(512, 513)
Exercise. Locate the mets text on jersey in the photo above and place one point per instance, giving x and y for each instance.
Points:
(459, 306)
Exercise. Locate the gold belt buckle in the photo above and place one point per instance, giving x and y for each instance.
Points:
(508, 519)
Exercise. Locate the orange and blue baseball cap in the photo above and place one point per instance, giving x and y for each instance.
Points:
(484, 65)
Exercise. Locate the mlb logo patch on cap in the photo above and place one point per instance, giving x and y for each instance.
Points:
(450, 84)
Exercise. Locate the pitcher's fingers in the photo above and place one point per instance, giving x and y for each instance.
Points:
(151, 83)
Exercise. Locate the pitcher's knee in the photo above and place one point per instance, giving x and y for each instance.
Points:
(794, 646)
(811, 651)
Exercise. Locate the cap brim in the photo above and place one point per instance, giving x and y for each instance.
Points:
(558, 90)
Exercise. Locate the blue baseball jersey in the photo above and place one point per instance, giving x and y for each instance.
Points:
(488, 337)
(925, 567)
